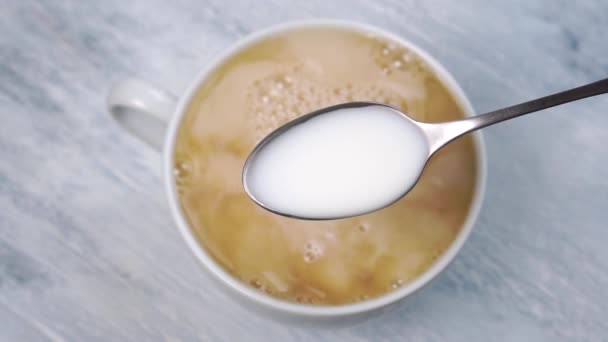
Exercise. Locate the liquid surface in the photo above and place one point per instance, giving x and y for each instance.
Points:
(341, 163)
(317, 262)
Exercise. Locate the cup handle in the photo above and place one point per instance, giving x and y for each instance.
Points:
(142, 109)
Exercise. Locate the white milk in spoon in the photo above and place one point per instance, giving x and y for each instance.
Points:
(342, 163)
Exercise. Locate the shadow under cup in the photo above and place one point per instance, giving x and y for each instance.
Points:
(203, 125)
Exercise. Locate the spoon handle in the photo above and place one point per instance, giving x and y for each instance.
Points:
(442, 134)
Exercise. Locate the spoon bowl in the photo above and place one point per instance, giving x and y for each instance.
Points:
(277, 205)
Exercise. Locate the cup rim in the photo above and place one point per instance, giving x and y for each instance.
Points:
(320, 310)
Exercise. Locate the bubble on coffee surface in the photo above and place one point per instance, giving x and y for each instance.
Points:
(307, 299)
(299, 89)
(362, 297)
(397, 283)
(313, 250)
(262, 285)
(393, 58)
(182, 171)
(256, 283)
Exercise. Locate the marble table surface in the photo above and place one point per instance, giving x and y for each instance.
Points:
(88, 250)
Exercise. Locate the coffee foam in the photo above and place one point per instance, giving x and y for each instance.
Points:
(298, 88)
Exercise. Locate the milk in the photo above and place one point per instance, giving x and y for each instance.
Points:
(342, 163)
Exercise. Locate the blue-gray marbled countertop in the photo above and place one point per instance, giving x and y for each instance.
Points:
(88, 250)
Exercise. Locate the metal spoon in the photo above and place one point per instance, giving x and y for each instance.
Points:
(437, 134)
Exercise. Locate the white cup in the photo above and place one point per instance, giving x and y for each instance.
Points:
(154, 115)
